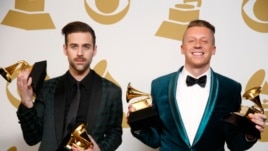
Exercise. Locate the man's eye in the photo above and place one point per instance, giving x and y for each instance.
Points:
(74, 47)
(87, 47)
(191, 41)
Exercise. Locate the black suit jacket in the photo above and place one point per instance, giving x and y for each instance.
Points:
(45, 121)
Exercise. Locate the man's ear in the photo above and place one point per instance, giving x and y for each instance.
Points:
(182, 49)
(95, 50)
(64, 49)
(214, 51)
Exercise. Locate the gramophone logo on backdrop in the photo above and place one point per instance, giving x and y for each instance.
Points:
(29, 15)
(258, 19)
(107, 10)
(179, 17)
(182, 14)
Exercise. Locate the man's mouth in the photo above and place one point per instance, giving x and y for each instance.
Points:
(198, 53)
(79, 61)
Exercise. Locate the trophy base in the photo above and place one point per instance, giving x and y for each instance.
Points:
(38, 74)
(244, 123)
(143, 118)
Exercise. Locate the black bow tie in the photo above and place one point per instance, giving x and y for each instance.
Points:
(201, 81)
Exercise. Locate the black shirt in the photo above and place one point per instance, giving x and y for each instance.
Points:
(85, 89)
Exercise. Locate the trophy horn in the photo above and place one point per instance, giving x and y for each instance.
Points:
(253, 95)
(8, 71)
(143, 115)
(79, 138)
(134, 93)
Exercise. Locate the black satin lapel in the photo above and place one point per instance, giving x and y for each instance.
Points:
(95, 100)
(59, 105)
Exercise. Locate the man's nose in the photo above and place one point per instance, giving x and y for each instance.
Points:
(80, 51)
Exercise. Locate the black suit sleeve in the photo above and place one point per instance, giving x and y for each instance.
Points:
(31, 124)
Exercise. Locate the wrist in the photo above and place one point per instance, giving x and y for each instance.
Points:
(27, 104)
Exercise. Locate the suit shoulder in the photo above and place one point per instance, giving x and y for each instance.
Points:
(227, 80)
(107, 83)
(164, 78)
(51, 81)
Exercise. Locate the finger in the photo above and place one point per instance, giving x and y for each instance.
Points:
(264, 117)
(92, 141)
(20, 76)
(256, 120)
(260, 117)
(24, 79)
(74, 148)
(131, 108)
(260, 128)
(259, 120)
(29, 81)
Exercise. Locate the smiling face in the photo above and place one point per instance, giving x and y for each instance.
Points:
(198, 47)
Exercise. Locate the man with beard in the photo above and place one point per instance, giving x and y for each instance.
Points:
(55, 113)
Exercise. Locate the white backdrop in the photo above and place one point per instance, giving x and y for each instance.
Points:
(132, 49)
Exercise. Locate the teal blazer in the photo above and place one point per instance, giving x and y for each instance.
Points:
(212, 133)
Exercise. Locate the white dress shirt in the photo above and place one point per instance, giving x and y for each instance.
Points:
(191, 102)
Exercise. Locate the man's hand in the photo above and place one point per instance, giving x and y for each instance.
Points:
(25, 88)
(259, 119)
(131, 108)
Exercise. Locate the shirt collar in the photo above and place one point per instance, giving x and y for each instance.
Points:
(185, 72)
(85, 82)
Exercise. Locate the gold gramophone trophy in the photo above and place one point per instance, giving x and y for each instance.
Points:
(144, 115)
(242, 119)
(79, 138)
(38, 73)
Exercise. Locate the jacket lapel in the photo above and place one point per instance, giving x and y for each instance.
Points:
(174, 107)
(95, 100)
(213, 94)
(59, 105)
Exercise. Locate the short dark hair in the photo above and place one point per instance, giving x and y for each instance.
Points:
(202, 23)
(77, 26)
